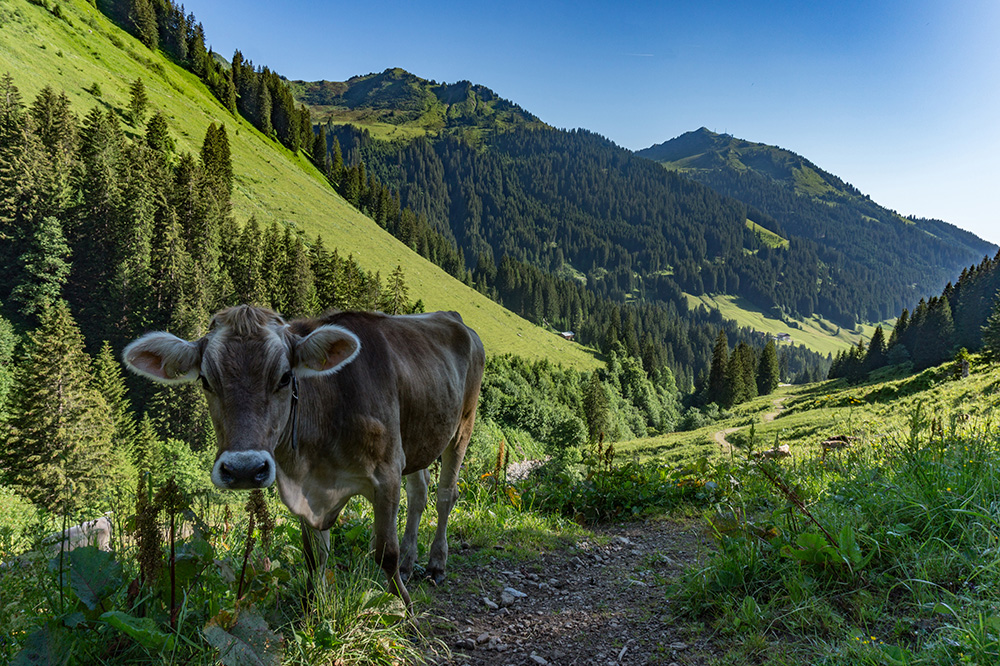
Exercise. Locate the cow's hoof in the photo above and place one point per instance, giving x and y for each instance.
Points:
(436, 576)
(406, 574)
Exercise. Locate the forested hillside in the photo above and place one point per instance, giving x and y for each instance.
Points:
(78, 51)
(886, 262)
(573, 203)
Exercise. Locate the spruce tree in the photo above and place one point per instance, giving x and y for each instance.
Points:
(395, 296)
(8, 342)
(158, 134)
(768, 375)
(108, 380)
(596, 408)
(991, 332)
(716, 390)
(59, 435)
(46, 268)
(138, 101)
(876, 356)
(143, 18)
(297, 278)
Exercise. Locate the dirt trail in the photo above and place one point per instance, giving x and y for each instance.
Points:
(720, 436)
(601, 601)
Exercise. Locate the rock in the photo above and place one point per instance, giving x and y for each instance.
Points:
(514, 593)
(490, 604)
(539, 660)
(623, 541)
(482, 638)
(466, 644)
(507, 599)
(678, 646)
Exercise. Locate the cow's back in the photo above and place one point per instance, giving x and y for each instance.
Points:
(421, 372)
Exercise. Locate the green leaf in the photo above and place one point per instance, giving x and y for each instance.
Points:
(143, 630)
(52, 645)
(93, 574)
(250, 642)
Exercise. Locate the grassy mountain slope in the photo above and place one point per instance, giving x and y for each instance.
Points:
(397, 104)
(762, 175)
(83, 47)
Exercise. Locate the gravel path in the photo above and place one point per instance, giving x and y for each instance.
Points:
(601, 601)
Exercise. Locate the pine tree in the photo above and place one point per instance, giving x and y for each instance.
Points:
(991, 332)
(46, 268)
(158, 134)
(716, 390)
(876, 356)
(297, 278)
(138, 101)
(58, 439)
(216, 160)
(108, 380)
(8, 342)
(395, 296)
(768, 374)
(143, 19)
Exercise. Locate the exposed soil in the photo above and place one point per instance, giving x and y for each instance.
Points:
(602, 601)
(720, 436)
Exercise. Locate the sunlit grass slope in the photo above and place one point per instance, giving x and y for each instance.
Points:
(814, 332)
(84, 47)
(880, 412)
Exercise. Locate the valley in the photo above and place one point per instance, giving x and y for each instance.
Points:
(654, 321)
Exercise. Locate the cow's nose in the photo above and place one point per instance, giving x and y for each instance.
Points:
(243, 469)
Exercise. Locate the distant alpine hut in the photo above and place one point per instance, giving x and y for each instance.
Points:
(567, 335)
(783, 337)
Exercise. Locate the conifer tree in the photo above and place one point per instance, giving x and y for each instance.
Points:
(108, 380)
(273, 258)
(216, 160)
(876, 355)
(58, 439)
(297, 278)
(325, 268)
(46, 268)
(143, 19)
(138, 101)
(991, 332)
(247, 275)
(716, 389)
(158, 134)
(395, 296)
(768, 374)
(8, 342)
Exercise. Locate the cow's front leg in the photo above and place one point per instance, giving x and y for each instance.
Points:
(316, 548)
(416, 501)
(386, 505)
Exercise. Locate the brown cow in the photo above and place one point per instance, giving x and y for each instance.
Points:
(343, 405)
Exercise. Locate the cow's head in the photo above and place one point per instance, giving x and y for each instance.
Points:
(246, 364)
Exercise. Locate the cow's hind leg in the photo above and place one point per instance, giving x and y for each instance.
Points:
(416, 501)
(447, 494)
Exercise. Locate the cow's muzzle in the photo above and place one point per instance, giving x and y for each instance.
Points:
(240, 470)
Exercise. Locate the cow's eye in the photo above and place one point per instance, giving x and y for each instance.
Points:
(204, 383)
(285, 380)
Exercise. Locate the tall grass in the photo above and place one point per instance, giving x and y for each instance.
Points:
(888, 554)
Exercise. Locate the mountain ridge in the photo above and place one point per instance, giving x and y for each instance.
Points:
(702, 152)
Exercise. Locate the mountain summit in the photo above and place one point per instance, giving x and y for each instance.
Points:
(397, 97)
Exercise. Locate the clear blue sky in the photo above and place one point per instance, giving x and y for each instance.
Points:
(900, 98)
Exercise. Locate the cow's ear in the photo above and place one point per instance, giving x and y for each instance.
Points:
(325, 350)
(164, 358)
